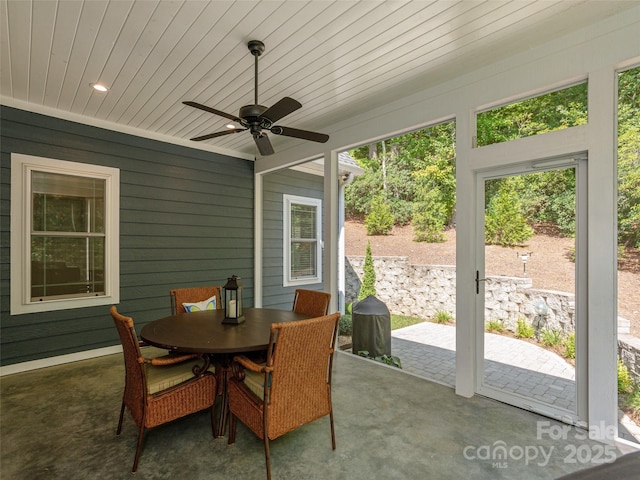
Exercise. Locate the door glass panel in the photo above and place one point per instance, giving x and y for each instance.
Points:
(529, 291)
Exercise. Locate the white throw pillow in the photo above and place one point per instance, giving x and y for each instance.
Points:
(208, 304)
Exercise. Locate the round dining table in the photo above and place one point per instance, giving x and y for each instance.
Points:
(205, 333)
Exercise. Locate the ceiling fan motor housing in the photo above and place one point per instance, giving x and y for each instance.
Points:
(252, 119)
(251, 112)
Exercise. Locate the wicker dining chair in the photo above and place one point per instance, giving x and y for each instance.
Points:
(292, 388)
(193, 295)
(159, 390)
(311, 302)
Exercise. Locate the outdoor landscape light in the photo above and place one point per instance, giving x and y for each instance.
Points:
(524, 257)
(541, 308)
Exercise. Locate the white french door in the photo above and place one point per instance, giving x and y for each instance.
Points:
(519, 371)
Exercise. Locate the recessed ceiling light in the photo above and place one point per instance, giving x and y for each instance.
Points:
(230, 125)
(99, 87)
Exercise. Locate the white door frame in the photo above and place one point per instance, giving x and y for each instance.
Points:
(579, 163)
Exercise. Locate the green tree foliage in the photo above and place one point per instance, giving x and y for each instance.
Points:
(545, 113)
(368, 286)
(396, 186)
(360, 193)
(416, 163)
(629, 188)
(430, 218)
(379, 221)
(418, 178)
(505, 223)
(435, 184)
(549, 198)
(629, 158)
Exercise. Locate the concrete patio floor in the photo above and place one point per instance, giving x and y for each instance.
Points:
(59, 423)
(428, 350)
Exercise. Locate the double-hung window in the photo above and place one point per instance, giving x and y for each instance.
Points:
(64, 234)
(302, 252)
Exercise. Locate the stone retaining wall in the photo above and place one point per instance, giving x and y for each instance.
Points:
(629, 353)
(422, 290)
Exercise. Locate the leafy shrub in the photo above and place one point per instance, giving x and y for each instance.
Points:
(496, 326)
(402, 211)
(368, 286)
(428, 226)
(633, 400)
(442, 316)
(429, 219)
(345, 325)
(505, 224)
(551, 338)
(386, 359)
(359, 194)
(569, 344)
(625, 382)
(524, 329)
(379, 221)
(564, 210)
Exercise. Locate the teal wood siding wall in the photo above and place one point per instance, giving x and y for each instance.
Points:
(186, 218)
(277, 184)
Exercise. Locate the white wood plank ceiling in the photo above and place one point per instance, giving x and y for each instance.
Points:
(338, 58)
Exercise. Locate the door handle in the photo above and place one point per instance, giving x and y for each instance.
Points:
(478, 280)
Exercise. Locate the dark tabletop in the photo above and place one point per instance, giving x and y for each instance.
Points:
(204, 332)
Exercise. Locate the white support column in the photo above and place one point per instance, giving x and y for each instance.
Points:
(257, 239)
(330, 231)
(602, 254)
(342, 264)
(465, 257)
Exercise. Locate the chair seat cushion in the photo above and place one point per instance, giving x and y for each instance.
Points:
(255, 382)
(166, 376)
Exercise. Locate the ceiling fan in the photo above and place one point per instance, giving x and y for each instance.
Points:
(257, 118)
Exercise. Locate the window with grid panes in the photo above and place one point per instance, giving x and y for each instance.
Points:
(66, 238)
(302, 246)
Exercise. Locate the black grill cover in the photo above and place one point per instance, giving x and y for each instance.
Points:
(371, 322)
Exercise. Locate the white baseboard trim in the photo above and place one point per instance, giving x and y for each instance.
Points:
(59, 360)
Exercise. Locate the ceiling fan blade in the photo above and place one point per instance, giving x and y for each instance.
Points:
(303, 134)
(212, 110)
(218, 134)
(281, 109)
(264, 144)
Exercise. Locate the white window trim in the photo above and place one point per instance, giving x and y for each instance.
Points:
(287, 201)
(21, 166)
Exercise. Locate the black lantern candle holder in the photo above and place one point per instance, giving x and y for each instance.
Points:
(233, 313)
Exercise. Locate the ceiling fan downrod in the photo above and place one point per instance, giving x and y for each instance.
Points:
(256, 47)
